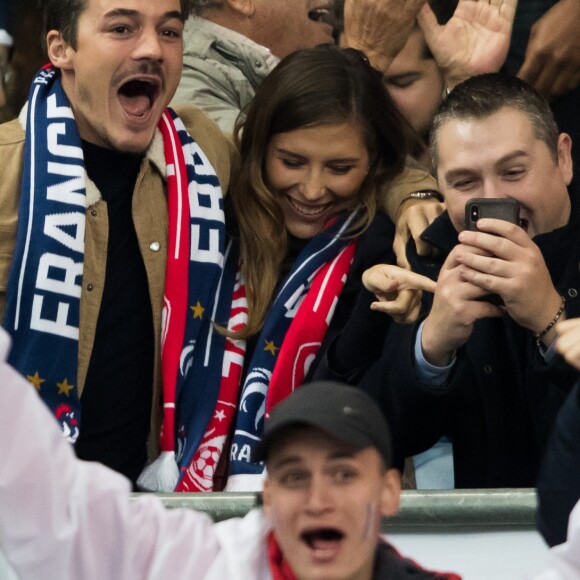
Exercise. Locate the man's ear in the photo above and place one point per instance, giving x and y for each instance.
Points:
(391, 494)
(243, 7)
(59, 51)
(565, 157)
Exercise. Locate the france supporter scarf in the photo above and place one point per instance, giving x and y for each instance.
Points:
(289, 341)
(44, 289)
(290, 338)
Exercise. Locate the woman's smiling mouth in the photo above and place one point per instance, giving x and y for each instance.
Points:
(309, 211)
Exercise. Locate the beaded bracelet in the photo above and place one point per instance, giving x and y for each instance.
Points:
(539, 335)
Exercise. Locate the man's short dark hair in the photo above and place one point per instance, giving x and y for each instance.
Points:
(481, 96)
(63, 15)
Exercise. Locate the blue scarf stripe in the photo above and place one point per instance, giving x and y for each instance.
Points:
(30, 165)
(198, 394)
(43, 297)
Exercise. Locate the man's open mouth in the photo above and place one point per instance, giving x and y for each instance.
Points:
(524, 224)
(322, 539)
(137, 96)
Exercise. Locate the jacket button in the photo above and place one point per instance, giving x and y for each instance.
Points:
(154, 246)
(90, 287)
(572, 292)
(488, 369)
(93, 212)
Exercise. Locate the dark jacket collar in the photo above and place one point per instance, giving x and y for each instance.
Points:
(441, 234)
(389, 564)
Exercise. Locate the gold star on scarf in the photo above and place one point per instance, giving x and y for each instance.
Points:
(271, 347)
(64, 388)
(35, 380)
(198, 310)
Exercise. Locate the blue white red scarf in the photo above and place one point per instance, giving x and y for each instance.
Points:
(44, 290)
(288, 343)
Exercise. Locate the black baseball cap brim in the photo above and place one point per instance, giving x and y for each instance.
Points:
(345, 412)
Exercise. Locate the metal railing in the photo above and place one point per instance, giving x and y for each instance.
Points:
(497, 508)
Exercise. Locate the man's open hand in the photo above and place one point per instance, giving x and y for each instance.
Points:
(474, 41)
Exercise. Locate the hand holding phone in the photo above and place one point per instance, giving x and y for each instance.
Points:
(497, 208)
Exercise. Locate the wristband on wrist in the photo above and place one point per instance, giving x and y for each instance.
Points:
(425, 194)
(539, 335)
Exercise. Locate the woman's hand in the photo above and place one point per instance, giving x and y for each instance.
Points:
(398, 291)
(414, 217)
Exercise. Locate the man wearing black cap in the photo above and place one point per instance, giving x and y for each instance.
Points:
(327, 452)
(329, 480)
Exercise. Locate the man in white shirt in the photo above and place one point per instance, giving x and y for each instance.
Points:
(327, 449)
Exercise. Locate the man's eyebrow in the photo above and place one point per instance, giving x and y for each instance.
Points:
(283, 462)
(122, 12)
(511, 156)
(456, 173)
(465, 171)
(136, 14)
(174, 14)
(346, 453)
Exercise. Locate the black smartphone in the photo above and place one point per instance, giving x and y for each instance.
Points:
(499, 208)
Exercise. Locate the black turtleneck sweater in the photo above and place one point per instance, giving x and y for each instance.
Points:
(116, 400)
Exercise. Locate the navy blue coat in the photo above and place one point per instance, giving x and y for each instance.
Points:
(501, 399)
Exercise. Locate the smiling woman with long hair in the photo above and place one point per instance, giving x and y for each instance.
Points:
(319, 142)
(323, 87)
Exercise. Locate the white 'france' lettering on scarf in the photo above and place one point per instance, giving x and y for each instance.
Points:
(244, 454)
(58, 274)
(204, 203)
(206, 250)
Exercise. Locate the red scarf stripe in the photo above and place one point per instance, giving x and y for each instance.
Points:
(175, 298)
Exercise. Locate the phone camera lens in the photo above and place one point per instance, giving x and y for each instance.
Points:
(474, 213)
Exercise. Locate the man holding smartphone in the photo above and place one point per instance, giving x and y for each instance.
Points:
(475, 371)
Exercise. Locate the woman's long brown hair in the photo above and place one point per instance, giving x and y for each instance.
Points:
(323, 85)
